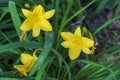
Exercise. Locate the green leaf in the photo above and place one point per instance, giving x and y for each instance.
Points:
(15, 45)
(65, 71)
(44, 53)
(42, 68)
(110, 49)
(106, 24)
(101, 6)
(15, 17)
(3, 78)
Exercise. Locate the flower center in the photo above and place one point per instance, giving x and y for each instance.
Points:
(77, 41)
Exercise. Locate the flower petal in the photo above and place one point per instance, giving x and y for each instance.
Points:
(31, 64)
(27, 25)
(87, 42)
(39, 9)
(34, 53)
(66, 44)
(78, 31)
(36, 31)
(67, 35)
(26, 12)
(49, 14)
(26, 59)
(21, 69)
(74, 52)
(86, 50)
(45, 25)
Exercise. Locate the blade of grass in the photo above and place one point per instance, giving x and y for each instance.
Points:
(67, 67)
(15, 17)
(60, 67)
(42, 68)
(5, 37)
(55, 20)
(110, 54)
(3, 15)
(106, 24)
(77, 76)
(117, 11)
(50, 78)
(110, 77)
(110, 49)
(15, 45)
(45, 51)
(2, 78)
(95, 73)
(100, 7)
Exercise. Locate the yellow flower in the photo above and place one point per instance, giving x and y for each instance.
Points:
(37, 20)
(76, 43)
(27, 61)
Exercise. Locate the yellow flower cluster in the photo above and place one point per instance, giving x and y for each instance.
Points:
(36, 21)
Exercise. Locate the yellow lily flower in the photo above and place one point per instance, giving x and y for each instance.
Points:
(27, 61)
(76, 43)
(37, 20)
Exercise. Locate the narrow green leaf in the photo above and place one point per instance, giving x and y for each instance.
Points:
(15, 17)
(106, 24)
(2, 78)
(50, 78)
(110, 49)
(44, 53)
(15, 45)
(42, 68)
(95, 73)
(117, 11)
(110, 77)
(67, 67)
(3, 15)
(100, 7)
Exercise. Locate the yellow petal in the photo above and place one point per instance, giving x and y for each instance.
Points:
(74, 52)
(36, 31)
(66, 44)
(78, 31)
(26, 59)
(67, 35)
(87, 42)
(49, 14)
(27, 25)
(86, 50)
(39, 9)
(45, 25)
(26, 12)
(30, 66)
(21, 69)
(34, 53)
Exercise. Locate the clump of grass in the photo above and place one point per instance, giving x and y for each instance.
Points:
(52, 61)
